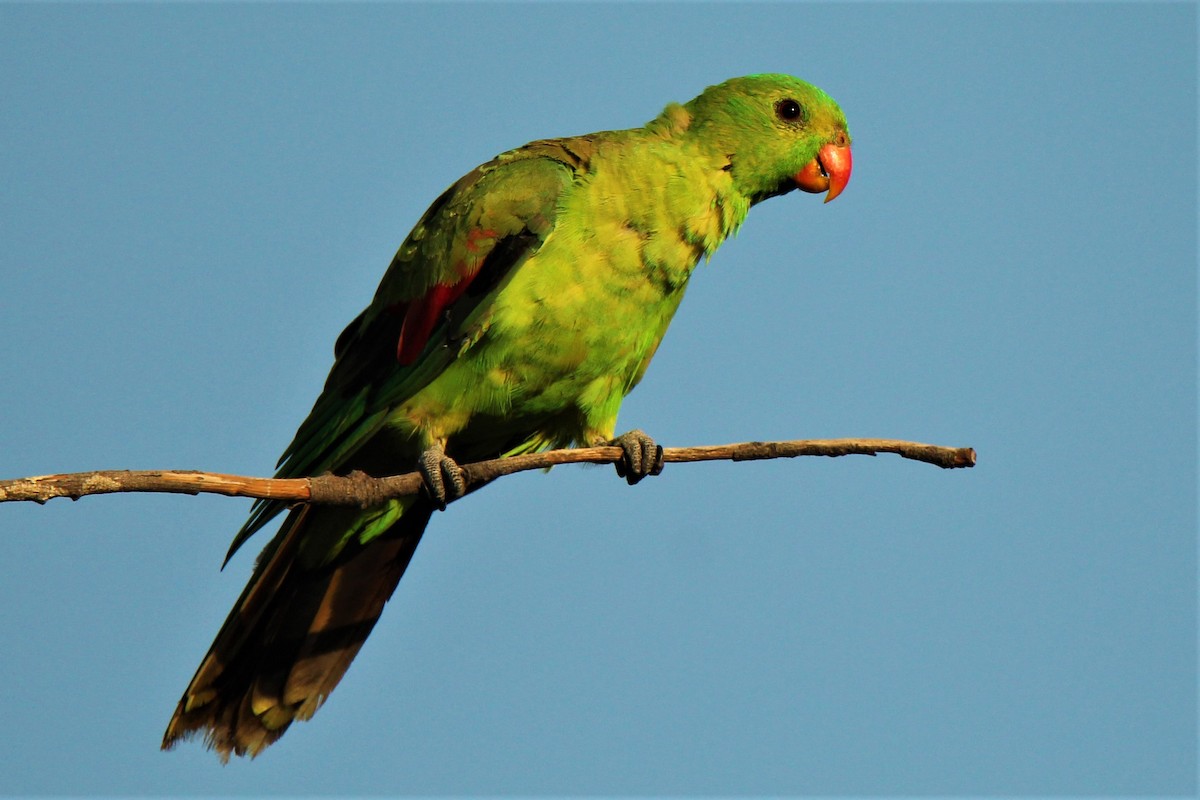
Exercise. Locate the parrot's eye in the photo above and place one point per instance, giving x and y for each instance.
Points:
(789, 110)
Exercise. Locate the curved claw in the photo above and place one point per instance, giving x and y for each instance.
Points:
(444, 479)
(642, 456)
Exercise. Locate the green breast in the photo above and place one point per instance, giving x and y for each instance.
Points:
(571, 331)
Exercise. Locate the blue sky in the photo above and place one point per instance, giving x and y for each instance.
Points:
(197, 198)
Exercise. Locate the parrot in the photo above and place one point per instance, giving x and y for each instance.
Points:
(516, 316)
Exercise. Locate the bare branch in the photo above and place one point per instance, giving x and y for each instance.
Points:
(359, 489)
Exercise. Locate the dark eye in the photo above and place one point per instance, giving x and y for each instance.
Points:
(789, 110)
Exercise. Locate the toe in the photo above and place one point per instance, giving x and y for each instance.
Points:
(457, 478)
(656, 463)
(642, 456)
(444, 478)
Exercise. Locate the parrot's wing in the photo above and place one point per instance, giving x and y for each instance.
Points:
(442, 278)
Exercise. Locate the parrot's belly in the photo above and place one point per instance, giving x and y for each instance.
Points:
(562, 347)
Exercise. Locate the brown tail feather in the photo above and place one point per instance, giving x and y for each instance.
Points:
(292, 635)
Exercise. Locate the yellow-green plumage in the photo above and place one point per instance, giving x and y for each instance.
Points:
(516, 316)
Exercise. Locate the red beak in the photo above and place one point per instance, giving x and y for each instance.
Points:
(830, 170)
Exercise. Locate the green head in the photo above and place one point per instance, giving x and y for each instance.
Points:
(778, 132)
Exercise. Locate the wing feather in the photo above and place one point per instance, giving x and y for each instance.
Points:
(455, 259)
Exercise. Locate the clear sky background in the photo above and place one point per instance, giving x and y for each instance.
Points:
(196, 199)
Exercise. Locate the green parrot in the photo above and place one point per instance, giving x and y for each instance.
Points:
(516, 316)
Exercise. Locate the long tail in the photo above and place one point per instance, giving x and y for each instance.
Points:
(293, 632)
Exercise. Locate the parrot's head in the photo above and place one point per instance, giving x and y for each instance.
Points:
(778, 132)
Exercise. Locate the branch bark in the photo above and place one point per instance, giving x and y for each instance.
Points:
(360, 489)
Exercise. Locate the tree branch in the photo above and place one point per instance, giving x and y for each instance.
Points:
(360, 489)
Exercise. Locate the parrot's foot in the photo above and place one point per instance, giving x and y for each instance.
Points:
(643, 456)
(444, 479)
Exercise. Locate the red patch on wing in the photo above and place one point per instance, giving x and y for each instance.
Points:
(477, 235)
(421, 316)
